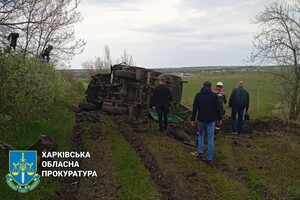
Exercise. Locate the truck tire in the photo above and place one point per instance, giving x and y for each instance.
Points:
(88, 106)
(115, 110)
(125, 74)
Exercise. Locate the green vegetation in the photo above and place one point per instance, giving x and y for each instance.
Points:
(28, 87)
(128, 170)
(210, 183)
(264, 96)
(121, 175)
(33, 102)
(268, 163)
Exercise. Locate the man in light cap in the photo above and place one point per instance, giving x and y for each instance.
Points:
(221, 95)
(238, 101)
(222, 98)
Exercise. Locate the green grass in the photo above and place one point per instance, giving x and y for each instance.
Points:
(57, 123)
(128, 170)
(175, 160)
(263, 93)
(255, 181)
(269, 163)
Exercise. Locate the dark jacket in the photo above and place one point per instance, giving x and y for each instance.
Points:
(222, 97)
(206, 104)
(239, 98)
(162, 96)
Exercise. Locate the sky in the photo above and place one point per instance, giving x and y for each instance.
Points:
(169, 33)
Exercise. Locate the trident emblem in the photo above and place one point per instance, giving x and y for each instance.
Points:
(22, 175)
(22, 164)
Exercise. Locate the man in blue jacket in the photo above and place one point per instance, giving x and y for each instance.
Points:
(206, 104)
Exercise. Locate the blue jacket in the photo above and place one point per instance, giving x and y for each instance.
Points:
(206, 104)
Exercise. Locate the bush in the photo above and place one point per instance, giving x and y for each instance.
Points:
(28, 87)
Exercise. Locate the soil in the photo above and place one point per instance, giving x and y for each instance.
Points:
(169, 186)
(163, 183)
(87, 129)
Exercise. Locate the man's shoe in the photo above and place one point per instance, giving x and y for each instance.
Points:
(210, 162)
(234, 133)
(200, 156)
(217, 128)
(194, 153)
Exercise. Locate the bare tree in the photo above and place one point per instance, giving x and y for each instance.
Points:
(278, 43)
(126, 58)
(99, 65)
(42, 23)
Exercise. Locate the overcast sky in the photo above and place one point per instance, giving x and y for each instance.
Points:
(169, 33)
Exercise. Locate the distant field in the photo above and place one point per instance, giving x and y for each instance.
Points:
(262, 89)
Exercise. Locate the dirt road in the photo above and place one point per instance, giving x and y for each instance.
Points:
(263, 163)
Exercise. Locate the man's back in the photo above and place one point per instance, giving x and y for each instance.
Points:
(221, 95)
(207, 104)
(162, 95)
(239, 98)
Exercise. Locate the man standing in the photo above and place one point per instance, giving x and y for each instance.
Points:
(206, 104)
(222, 98)
(162, 97)
(238, 101)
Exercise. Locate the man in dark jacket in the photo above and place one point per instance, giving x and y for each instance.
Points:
(162, 97)
(238, 101)
(206, 104)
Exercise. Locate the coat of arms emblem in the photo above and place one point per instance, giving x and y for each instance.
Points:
(22, 171)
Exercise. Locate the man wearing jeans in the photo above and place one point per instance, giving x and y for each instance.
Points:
(206, 105)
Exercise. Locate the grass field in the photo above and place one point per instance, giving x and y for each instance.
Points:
(264, 96)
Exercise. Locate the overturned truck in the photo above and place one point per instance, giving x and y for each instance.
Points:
(128, 90)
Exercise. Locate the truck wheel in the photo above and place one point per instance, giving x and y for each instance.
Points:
(88, 106)
(125, 74)
(115, 110)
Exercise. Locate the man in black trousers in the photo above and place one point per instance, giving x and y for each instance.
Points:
(162, 97)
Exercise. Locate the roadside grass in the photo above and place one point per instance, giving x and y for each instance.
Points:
(207, 182)
(128, 170)
(57, 123)
(263, 93)
(270, 163)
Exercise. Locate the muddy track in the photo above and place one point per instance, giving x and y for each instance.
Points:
(166, 185)
(163, 182)
(68, 186)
